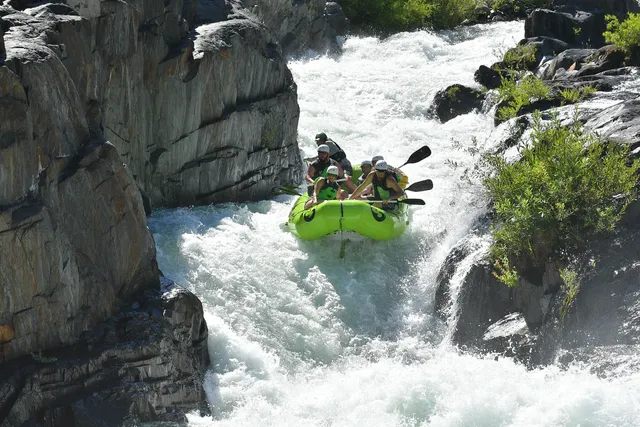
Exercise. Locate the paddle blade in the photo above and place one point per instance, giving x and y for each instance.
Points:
(290, 190)
(418, 156)
(425, 185)
(413, 202)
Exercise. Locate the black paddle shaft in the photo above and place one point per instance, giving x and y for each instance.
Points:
(405, 201)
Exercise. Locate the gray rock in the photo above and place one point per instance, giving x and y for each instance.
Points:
(2, 49)
(620, 122)
(296, 24)
(579, 29)
(138, 366)
(455, 100)
(566, 59)
(616, 7)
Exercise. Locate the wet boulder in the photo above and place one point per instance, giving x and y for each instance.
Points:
(582, 29)
(455, 100)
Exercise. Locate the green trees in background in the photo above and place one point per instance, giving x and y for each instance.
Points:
(406, 15)
(625, 34)
(567, 187)
(391, 16)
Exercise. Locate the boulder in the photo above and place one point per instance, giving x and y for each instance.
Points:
(488, 77)
(619, 122)
(581, 29)
(613, 7)
(456, 100)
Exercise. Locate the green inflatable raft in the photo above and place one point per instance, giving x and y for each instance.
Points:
(338, 216)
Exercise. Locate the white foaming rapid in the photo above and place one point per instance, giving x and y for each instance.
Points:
(300, 337)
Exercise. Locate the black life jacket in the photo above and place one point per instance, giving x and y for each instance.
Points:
(381, 184)
(339, 155)
(320, 167)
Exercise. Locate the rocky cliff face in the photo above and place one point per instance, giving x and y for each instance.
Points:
(302, 24)
(107, 108)
(200, 106)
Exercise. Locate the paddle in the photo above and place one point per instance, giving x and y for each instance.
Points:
(406, 201)
(425, 185)
(418, 156)
(287, 189)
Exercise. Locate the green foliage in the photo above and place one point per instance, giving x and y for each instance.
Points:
(522, 57)
(517, 94)
(504, 273)
(516, 5)
(567, 187)
(625, 35)
(571, 96)
(452, 91)
(570, 289)
(407, 15)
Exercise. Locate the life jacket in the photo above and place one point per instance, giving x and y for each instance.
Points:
(320, 168)
(339, 155)
(329, 191)
(380, 188)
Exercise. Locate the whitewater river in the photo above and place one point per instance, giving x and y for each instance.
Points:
(299, 337)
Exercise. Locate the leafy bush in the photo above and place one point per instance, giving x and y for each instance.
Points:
(522, 57)
(516, 5)
(625, 35)
(571, 96)
(567, 187)
(517, 94)
(406, 15)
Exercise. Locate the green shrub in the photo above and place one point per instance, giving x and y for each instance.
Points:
(625, 35)
(570, 288)
(516, 5)
(522, 57)
(571, 96)
(567, 187)
(407, 15)
(517, 94)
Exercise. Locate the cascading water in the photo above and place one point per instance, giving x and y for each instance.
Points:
(301, 337)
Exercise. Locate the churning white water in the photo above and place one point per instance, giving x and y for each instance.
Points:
(300, 337)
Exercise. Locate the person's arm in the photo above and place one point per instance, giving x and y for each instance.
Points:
(361, 187)
(308, 176)
(391, 182)
(317, 188)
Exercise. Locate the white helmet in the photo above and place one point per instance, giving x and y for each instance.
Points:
(376, 159)
(382, 165)
(366, 163)
(324, 148)
(332, 170)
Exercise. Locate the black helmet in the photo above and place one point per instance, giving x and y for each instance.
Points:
(322, 137)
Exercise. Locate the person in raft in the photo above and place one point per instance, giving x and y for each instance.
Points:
(318, 168)
(366, 167)
(397, 173)
(326, 188)
(384, 186)
(335, 152)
